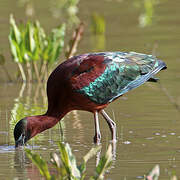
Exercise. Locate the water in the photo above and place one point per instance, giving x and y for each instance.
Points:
(147, 118)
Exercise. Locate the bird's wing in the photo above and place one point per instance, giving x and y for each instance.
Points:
(102, 77)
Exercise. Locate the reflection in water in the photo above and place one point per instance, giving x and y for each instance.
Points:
(114, 150)
(77, 124)
(171, 98)
(25, 105)
(24, 167)
(6, 148)
(21, 108)
(98, 42)
(147, 113)
(98, 28)
(20, 160)
(40, 92)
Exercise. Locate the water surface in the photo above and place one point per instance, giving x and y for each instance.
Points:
(148, 119)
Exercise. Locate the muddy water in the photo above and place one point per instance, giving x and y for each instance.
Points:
(148, 118)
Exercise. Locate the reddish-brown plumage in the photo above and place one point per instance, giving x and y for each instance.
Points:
(62, 98)
(89, 82)
(94, 66)
(37, 124)
(69, 76)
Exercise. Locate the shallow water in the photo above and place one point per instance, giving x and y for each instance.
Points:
(147, 118)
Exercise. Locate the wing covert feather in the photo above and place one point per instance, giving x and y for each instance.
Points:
(115, 73)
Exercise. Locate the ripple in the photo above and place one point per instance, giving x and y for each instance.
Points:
(126, 142)
(164, 136)
(149, 138)
(4, 132)
(172, 133)
(6, 148)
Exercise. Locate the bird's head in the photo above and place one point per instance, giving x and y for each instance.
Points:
(21, 133)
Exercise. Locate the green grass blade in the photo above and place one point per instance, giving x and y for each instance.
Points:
(153, 174)
(32, 42)
(103, 164)
(57, 43)
(40, 36)
(17, 33)
(69, 161)
(91, 153)
(15, 50)
(40, 164)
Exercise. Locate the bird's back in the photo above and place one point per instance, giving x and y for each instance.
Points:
(102, 77)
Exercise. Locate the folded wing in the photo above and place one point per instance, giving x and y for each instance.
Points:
(108, 75)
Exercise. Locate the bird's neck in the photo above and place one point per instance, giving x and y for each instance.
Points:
(38, 124)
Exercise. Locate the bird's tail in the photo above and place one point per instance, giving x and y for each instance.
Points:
(161, 66)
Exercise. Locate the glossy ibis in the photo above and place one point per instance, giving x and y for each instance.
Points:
(89, 82)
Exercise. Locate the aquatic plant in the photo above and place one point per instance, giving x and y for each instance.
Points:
(74, 41)
(66, 166)
(30, 45)
(155, 173)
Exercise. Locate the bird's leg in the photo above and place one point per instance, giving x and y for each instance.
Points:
(111, 124)
(97, 136)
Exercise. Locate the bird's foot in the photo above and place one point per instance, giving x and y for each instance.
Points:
(114, 140)
(97, 138)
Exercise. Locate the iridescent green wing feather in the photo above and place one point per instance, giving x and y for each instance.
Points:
(123, 72)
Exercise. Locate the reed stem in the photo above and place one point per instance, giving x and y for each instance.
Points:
(22, 71)
(28, 64)
(36, 71)
(77, 35)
